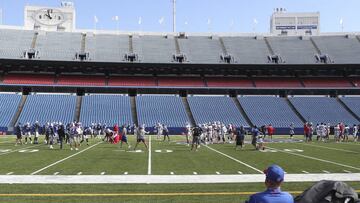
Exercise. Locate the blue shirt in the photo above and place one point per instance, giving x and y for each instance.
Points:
(271, 196)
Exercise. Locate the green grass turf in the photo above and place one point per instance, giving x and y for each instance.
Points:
(137, 188)
(112, 160)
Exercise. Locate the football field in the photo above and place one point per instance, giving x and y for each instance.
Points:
(167, 170)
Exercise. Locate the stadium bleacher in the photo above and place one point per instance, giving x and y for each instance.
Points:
(265, 110)
(200, 49)
(326, 82)
(341, 49)
(181, 81)
(48, 108)
(277, 82)
(107, 48)
(168, 110)
(322, 109)
(109, 109)
(81, 80)
(353, 103)
(34, 79)
(247, 50)
(207, 109)
(14, 42)
(294, 50)
(132, 81)
(154, 49)
(8, 106)
(228, 82)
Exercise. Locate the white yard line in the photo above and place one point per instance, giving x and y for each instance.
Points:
(149, 159)
(232, 158)
(19, 149)
(153, 179)
(317, 159)
(319, 146)
(64, 159)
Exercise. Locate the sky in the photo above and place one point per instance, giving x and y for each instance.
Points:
(193, 15)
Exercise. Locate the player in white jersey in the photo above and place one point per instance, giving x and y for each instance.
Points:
(159, 129)
(337, 133)
(188, 133)
(355, 132)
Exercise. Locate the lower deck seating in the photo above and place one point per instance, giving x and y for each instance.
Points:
(168, 110)
(48, 108)
(322, 109)
(29, 79)
(8, 107)
(265, 110)
(109, 109)
(209, 109)
(81, 80)
(353, 103)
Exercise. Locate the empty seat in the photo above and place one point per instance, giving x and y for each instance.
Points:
(210, 109)
(8, 106)
(29, 79)
(131, 81)
(109, 109)
(264, 110)
(81, 80)
(353, 103)
(168, 110)
(181, 81)
(48, 108)
(322, 109)
(277, 82)
(14, 42)
(228, 82)
(326, 82)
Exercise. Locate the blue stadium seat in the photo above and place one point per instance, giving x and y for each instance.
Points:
(264, 110)
(209, 109)
(322, 109)
(109, 109)
(353, 103)
(48, 108)
(168, 110)
(8, 107)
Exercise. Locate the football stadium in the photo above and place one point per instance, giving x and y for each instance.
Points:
(115, 116)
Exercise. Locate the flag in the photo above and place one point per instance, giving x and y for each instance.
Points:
(341, 21)
(232, 23)
(140, 20)
(161, 20)
(96, 20)
(256, 21)
(209, 21)
(186, 22)
(116, 18)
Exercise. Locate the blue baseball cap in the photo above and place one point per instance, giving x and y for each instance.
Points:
(274, 173)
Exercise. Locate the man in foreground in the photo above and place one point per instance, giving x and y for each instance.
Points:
(273, 194)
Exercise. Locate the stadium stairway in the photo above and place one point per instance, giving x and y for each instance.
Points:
(295, 110)
(348, 109)
(78, 108)
(315, 45)
(134, 110)
(188, 111)
(242, 111)
(17, 114)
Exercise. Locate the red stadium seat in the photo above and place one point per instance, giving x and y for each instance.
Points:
(181, 81)
(132, 81)
(229, 82)
(277, 82)
(326, 82)
(29, 79)
(81, 80)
